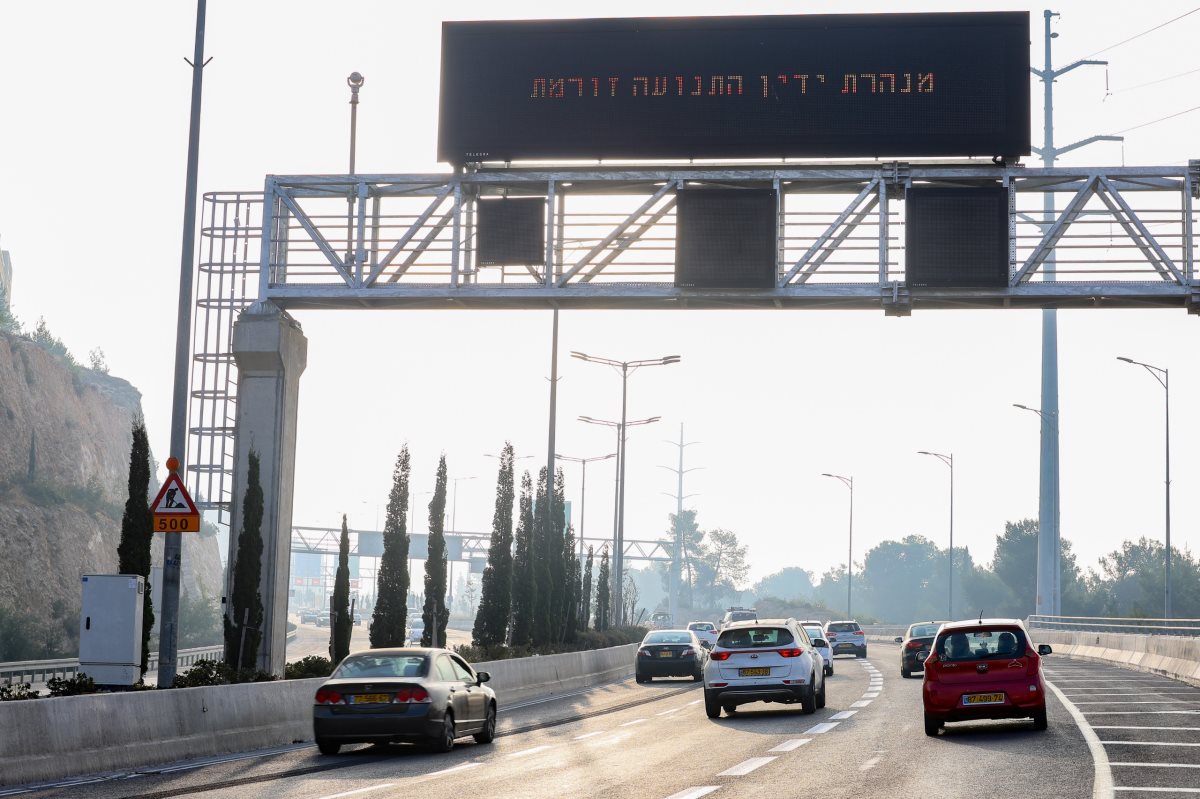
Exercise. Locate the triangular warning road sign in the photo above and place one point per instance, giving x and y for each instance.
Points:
(173, 498)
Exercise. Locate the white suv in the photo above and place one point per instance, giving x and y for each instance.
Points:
(770, 660)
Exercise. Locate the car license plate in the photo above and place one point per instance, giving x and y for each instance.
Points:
(922, 655)
(983, 699)
(666, 653)
(845, 646)
(759, 672)
(372, 699)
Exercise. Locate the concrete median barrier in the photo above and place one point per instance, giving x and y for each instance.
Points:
(49, 739)
(1172, 656)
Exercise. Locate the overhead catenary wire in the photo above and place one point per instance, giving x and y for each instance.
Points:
(1160, 119)
(1143, 33)
(1153, 82)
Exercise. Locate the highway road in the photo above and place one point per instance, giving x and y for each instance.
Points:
(654, 742)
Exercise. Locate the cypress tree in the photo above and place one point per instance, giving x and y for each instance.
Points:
(491, 620)
(570, 587)
(390, 616)
(340, 622)
(137, 526)
(544, 553)
(524, 588)
(603, 593)
(435, 611)
(559, 567)
(585, 593)
(245, 604)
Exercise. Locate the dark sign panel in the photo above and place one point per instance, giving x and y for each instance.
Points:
(845, 85)
(725, 238)
(956, 237)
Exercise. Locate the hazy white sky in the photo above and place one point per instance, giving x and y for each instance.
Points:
(96, 97)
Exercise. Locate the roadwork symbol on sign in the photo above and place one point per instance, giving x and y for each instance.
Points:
(173, 509)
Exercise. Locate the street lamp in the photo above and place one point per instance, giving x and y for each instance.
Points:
(583, 487)
(454, 502)
(1049, 590)
(1163, 378)
(624, 367)
(949, 461)
(619, 509)
(849, 483)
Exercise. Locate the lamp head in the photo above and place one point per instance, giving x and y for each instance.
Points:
(1123, 358)
(355, 81)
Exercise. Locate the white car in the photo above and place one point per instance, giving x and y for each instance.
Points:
(769, 660)
(706, 631)
(817, 636)
(416, 629)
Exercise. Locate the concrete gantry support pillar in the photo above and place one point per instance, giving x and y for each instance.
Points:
(271, 353)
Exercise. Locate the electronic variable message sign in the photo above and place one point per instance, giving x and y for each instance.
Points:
(844, 85)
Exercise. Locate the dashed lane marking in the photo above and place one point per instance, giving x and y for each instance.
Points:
(845, 714)
(872, 695)
(534, 750)
(862, 703)
(1157, 765)
(870, 764)
(694, 793)
(631, 723)
(824, 726)
(1142, 702)
(1122, 727)
(746, 766)
(589, 735)
(789, 745)
(1148, 743)
(1159, 790)
(669, 712)
(1142, 713)
(358, 791)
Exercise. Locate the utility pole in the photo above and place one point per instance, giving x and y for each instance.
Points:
(1049, 599)
(677, 542)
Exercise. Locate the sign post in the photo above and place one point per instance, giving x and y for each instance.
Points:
(173, 509)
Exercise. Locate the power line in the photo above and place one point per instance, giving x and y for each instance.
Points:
(1152, 82)
(1160, 119)
(1143, 33)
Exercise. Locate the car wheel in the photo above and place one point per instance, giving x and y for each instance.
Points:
(328, 747)
(905, 673)
(821, 696)
(829, 671)
(698, 676)
(932, 725)
(808, 701)
(1039, 719)
(729, 709)
(861, 654)
(488, 733)
(712, 708)
(445, 741)
(638, 678)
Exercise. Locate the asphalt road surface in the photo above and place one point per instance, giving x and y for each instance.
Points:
(654, 742)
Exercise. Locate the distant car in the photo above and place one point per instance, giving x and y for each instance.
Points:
(915, 645)
(661, 620)
(768, 660)
(670, 653)
(846, 638)
(985, 669)
(706, 631)
(357, 619)
(323, 618)
(309, 616)
(410, 694)
(737, 614)
(416, 630)
(817, 636)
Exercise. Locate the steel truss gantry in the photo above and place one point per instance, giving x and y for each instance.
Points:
(1124, 238)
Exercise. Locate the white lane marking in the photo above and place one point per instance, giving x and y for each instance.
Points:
(825, 726)
(1148, 743)
(669, 712)
(870, 764)
(696, 702)
(1122, 727)
(871, 695)
(845, 714)
(1157, 765)
(535, 749)
(694, 793)
(1160, 790)
(359, 790)
(1102, 782)
(1142, 702)
(745, 767)
(788, 746)
(1142, 713)
(1137, 692)
(631, 723)
(589, 735)
(452, 770)
(861, 703)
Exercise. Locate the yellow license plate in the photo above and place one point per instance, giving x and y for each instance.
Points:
(666, 654)
(754, 672)
(983, 699)
(372, 699)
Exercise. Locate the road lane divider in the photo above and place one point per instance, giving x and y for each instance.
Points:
(694, 793)
(790, 745)
(1102, 779)
(745, 767)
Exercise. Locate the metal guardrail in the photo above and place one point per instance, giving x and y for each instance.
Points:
(40, 671)
(1101, 624)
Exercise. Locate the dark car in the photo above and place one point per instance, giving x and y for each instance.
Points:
(985, 669)
(309, 616)
(410, 694)
(915, 645)
(670, 653)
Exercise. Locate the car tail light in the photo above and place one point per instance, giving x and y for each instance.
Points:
(643, 652)
(931, 668)
(688, 653)
(403, 696)
(1032, 663)
(791, 653)
(419, 694)
(858, 632)
(914, 645)
(831, 637)
(328, 697)
(719, 656)
(718, 685)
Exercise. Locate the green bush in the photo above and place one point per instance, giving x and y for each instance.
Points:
(203, 672)
(71, 686)
(307, 668)
(15, 691)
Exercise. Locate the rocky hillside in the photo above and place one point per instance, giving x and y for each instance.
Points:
(64, 462)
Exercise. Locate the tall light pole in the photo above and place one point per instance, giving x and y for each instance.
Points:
(1048, 594)
(949, 461)
(355, 82)
(676, 534)
(849, 483)
(583, 487)
(454, 502)
(624, 367)
(618, 522)
(1163, 378)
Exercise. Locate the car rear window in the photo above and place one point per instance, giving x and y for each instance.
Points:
(668, 638)
(743, 615)
(382, 666)
(747, 637)
(979, 644)
(843, 627)
(814, 632)
(703, 627)
(923, 630)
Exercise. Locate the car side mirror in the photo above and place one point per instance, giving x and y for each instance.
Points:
(706, 644)
(481, 677)
(1044, 649)
(898, 639)
(820, 643)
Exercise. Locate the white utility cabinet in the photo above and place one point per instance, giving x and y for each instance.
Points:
(110, 628)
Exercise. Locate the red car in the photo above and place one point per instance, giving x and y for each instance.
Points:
(985, 669)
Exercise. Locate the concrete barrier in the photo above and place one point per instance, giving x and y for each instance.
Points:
(48, 739)
(1172, 656)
